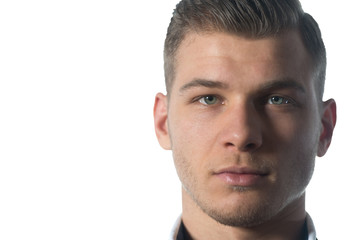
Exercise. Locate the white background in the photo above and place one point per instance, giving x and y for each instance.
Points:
(78, 154)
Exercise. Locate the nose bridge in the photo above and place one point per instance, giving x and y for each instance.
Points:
(241, 128)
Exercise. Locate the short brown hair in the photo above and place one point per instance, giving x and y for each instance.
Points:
(249, 18)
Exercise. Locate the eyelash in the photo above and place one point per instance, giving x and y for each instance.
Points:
(266, 100)
(285, 100)
(199, 98)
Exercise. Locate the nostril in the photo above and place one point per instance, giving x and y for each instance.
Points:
(229, 144)
(243, 139)
(250, 146)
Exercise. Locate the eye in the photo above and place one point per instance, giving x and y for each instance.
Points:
(277, 100)
(209, 100)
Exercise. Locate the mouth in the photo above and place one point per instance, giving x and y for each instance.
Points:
(241, 176)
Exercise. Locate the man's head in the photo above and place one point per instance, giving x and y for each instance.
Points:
(253, 19)
(245, 120)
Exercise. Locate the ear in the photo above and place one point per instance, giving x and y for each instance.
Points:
(160, 120)
(328, 121)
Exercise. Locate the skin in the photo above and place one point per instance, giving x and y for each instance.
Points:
(244, 103)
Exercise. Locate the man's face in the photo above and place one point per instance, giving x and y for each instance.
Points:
(244, 124)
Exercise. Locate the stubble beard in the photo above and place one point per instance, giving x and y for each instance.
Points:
(238, 216)
(247, 216)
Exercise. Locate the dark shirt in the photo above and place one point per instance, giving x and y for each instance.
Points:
(184, 235)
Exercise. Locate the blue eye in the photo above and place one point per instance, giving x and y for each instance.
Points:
(209, 100)
(277, 100)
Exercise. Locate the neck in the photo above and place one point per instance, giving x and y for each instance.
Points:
(288, 224)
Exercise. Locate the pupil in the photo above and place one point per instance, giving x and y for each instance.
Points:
(210, 99)
(277, 99)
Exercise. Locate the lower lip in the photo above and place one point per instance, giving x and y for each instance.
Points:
(244, 180)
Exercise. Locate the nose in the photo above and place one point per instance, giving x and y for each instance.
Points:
(241, 129)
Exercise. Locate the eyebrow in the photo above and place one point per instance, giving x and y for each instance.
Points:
(203, 83)
(282, 84)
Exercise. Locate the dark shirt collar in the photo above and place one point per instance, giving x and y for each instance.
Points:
(184, 235)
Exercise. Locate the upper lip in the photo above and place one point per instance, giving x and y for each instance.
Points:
(241, 170)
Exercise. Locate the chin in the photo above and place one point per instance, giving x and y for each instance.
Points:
(240, 210)
(240, 217)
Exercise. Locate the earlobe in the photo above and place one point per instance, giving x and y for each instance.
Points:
(160, 121)
(328, 121)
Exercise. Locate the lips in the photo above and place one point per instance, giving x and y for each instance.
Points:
(241, 176)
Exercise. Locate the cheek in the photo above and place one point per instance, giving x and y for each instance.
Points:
(192, 132)
(192, 144)
(294, 140)
(292, 129)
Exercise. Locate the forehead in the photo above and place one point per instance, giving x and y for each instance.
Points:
(225, 57)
